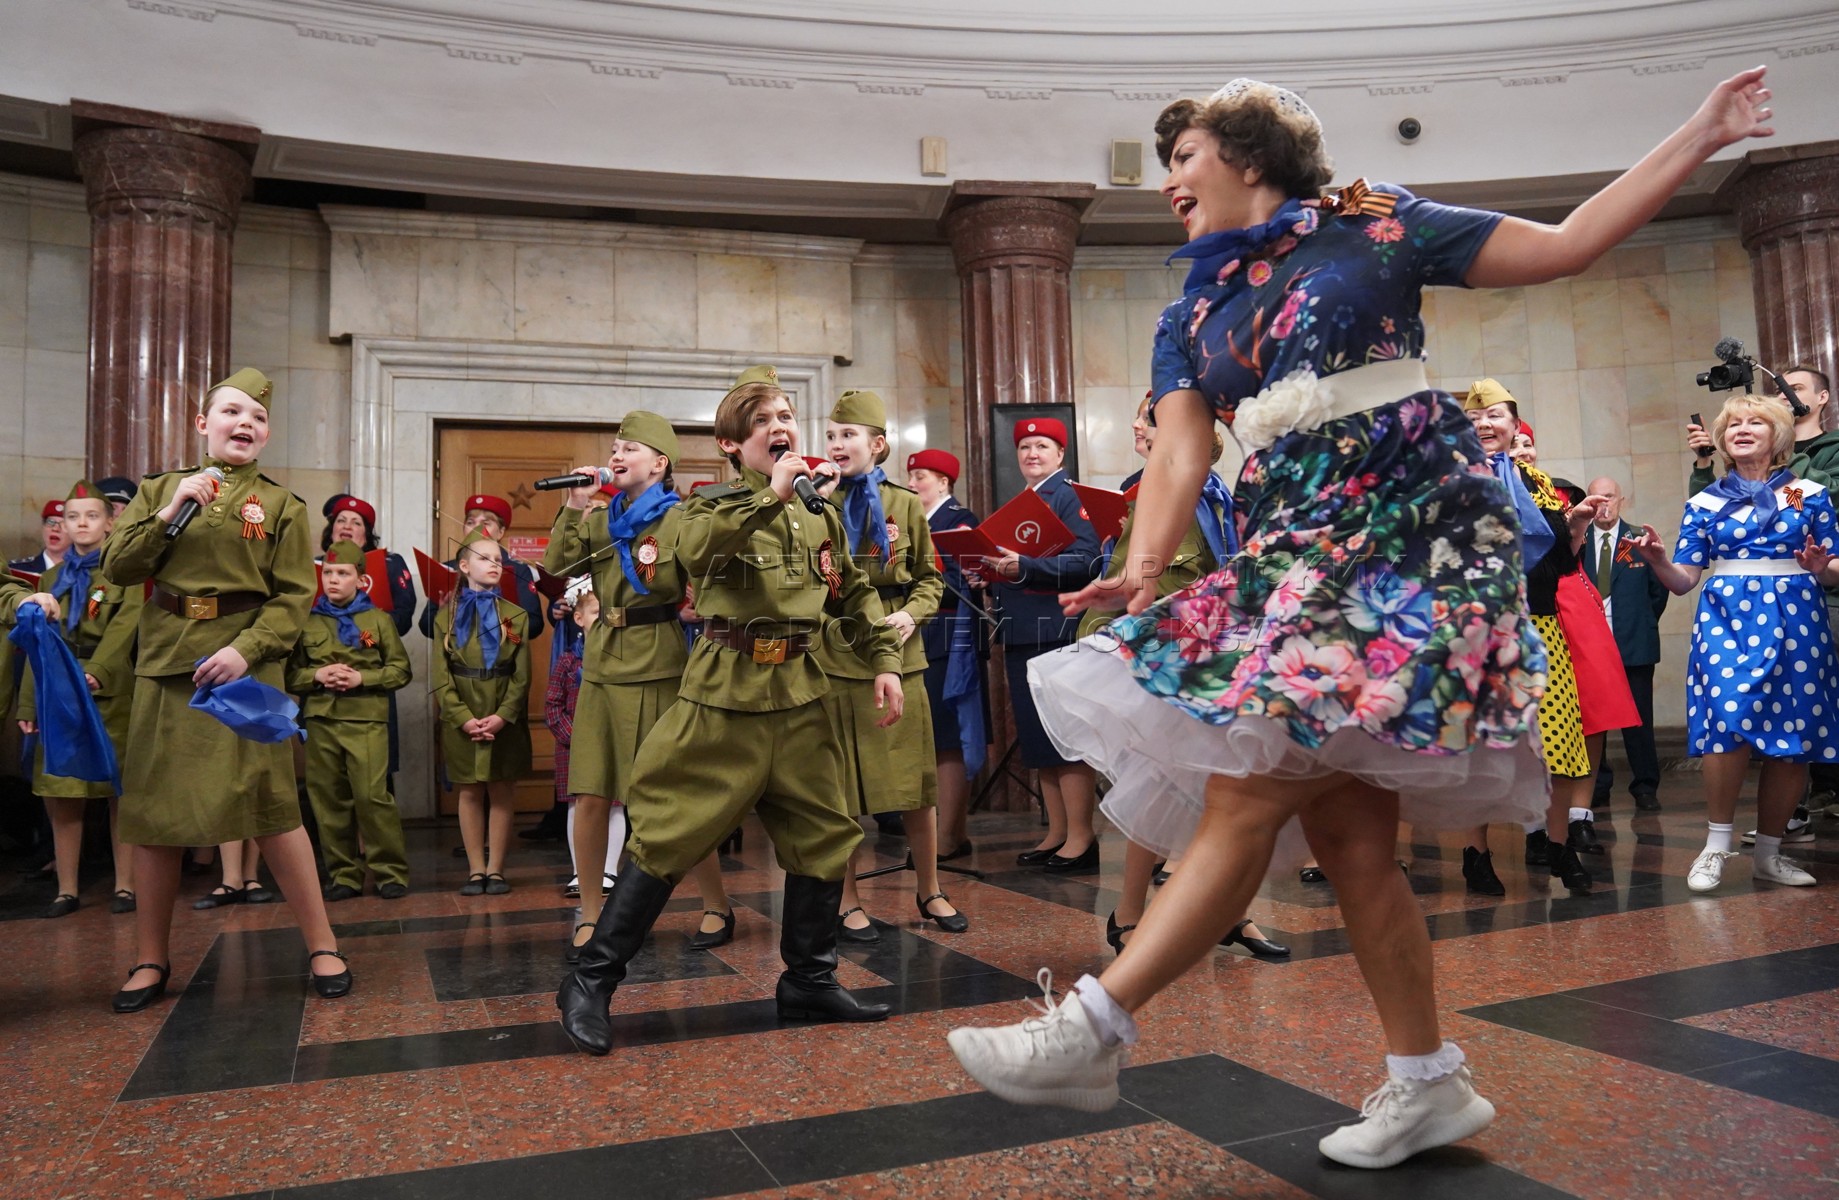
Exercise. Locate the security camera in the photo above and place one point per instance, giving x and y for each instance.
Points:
(1410, 130)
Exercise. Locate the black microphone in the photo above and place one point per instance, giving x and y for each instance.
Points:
(556, 483)
(189, 509)
(1728, 349)
(814, 503)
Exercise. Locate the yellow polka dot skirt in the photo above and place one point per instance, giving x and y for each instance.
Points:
(1561, 721)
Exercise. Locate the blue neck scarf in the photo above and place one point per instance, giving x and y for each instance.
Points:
(1736, 491)
(626, 519)
(1536, 536)
(478, 610)
(862, 508)
(348, 631)
(1214, 514)
(72, 584)
(1212, 251)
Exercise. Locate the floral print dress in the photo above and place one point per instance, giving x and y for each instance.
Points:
(1374, 621)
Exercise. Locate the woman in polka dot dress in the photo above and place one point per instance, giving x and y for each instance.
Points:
(1762, 676)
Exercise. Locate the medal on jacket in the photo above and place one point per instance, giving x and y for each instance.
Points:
(893, 534)
(253, 518)
(647, 559)
(510, 635)
(93, 609)
(826, 567)
(1793, 496)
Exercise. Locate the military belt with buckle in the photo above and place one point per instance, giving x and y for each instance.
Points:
(651, 614)
(767, 651)
(206, 608)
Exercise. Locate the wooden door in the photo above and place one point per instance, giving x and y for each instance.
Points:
(503, 460)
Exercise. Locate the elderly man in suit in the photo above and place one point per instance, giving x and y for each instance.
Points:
(1633, 600)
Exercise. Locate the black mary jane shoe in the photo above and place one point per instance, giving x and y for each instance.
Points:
(255, 893)
(1077, 865)
(474, 885)
(1260, 947)
(573, 953)
(219, 896)
(63, 906)
(132, 1000)
(1312, 875)
(720, 937)
(124, 901)
(1114, 933)
(963, 849)
(955, 923)
(496, 884)
(868, 935)
(329, 987)
(1034, 858)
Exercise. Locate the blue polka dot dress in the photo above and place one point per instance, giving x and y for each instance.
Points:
(1762, 672)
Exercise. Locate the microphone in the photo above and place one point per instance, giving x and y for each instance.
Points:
(814, 503)
(1728, 349)
(555, 483)
(189, 509)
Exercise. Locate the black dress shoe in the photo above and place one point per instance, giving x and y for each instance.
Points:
(1074, 866)
(341, 891)
(1536, 843)
(329, 987)
(964, 849)
(1647, 802)
(219, 896)
(1562, 859)
(1312, 875)
(392, 890)
(474, 885)
(955, 923)
(868, 935)
(123, 902)
(496, 884)
(1260, 947)
(1034, 858)
(1478, 872)
(255, 893)
(63, 906)
(132, 1000)
(1160, 875)
(720, 937)
(1582, 837)
(1114, 933)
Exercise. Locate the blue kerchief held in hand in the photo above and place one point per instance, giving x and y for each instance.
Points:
(70, 728)
(251, 708)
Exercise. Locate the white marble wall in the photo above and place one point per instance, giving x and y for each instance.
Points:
(908, 346)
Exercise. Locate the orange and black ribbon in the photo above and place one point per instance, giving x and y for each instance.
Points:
(826, 565)
(1358, 200)
(1793, 496)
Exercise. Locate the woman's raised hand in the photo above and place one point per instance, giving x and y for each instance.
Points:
(1737, 109)
(1814, 557)
(1649, 545)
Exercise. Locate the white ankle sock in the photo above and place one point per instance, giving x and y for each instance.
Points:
(573, 868)
(616, 836)
(1718, 837)
(1582, 814)
(1427, 1068)
(1767, 847)
(1113, 1024)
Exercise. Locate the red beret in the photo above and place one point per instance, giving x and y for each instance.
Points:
(53, 508)
(944, 463)
(498, 507)
(1047, 427)
(353, 504)
(1527, 430)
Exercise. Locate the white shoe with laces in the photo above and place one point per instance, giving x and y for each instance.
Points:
(1406, 1116)
(1056, 1058)
(1707, 870)
(1779, 868)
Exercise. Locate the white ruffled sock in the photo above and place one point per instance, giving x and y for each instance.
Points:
(1427, 1068)
(1113, 1024)
(1582, 814)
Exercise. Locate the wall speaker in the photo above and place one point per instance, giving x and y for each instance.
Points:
(1126, 163)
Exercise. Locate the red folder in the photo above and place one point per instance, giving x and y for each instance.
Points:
(1027, 526)
(1106, 509)
(966, 547)
(376, 565)
(438, 580)
(27, 577)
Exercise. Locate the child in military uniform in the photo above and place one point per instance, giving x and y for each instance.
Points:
(230, 593)
(99, 623)
(347, 663)
(748, 728)
(482, 684)
(885, 769)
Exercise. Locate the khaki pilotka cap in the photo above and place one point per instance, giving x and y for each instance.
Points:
(649, 429)
(251, 383)
(860, 408)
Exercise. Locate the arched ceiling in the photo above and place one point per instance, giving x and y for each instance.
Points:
(816, 107)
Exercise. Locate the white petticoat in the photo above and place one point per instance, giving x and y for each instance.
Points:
(1159, 758)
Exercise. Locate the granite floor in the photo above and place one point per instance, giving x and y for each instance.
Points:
(1638, 1041)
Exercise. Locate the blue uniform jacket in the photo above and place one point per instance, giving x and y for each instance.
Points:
(937, 632)
(1031, 613)
(1636, 600)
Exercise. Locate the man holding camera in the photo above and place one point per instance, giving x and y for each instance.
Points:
(1816, 457)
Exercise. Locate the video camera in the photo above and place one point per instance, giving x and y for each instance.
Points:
(1736, 370)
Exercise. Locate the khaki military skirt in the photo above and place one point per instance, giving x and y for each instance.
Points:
(884, 770)
(505, 757)
(188, 780)
(611, 723)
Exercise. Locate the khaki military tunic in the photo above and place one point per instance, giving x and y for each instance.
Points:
(348, 746)
(108, 623)
(629, 669)
(187, 779)
(747, 733)
(506, 694)
(893, 769)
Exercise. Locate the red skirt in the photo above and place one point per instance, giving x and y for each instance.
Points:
(1602, 685)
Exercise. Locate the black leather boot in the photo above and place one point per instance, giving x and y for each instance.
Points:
(1478, 872)
(1581, 837)
(1566, 866)
(808, 990)
(630, 912)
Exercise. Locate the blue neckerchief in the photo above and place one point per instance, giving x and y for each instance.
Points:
(1536, 537)
(348, 631)
(626, 519)
(478, 609)
(1212, 251)
(1214, 514)
(1736, 491)
(76, 744)
(72, 584)
(862, 507)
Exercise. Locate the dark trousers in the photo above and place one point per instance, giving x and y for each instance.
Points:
(1637, 740)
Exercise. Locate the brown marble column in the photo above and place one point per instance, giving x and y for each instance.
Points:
(1787, 201)
(1013, 246)
(163, 198)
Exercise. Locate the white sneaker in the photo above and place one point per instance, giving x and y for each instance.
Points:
(1406, 1116)
(1779, 868)
(1056, 1058)
(1707, 870)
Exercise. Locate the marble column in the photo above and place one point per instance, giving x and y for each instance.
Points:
(163, 196)
(1787, 202)
(1013, 246)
